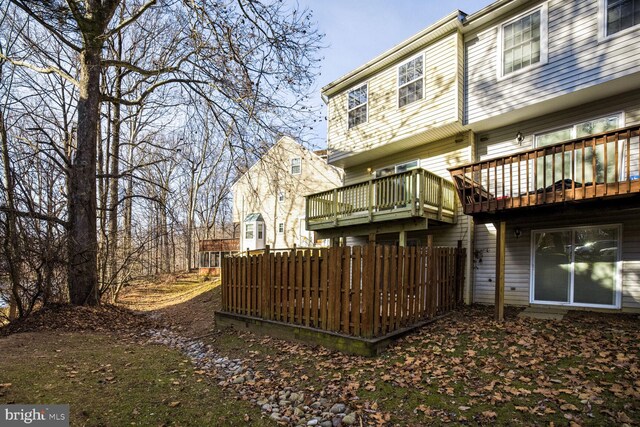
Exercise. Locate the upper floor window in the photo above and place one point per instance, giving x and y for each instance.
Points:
(622, 14)
(296, 166)
(524, 41)
(281, 228)
(410, 81)
(357, 108)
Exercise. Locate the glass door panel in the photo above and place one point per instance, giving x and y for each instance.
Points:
(552, 266)
(596, 254)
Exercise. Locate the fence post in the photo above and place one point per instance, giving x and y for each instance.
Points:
(265, 283)
(459, 273)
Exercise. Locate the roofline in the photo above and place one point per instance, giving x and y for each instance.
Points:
(490, 12)
(449, 22)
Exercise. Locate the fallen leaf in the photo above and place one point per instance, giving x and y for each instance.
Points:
(569, 407)
(174, 404)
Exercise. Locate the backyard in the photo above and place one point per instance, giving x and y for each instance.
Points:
(464, 368)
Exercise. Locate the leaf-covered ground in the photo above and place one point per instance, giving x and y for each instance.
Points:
(463, 369)
(467, 368)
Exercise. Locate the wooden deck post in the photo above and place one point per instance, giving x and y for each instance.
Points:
(372, 238)
(402, 239)
(500, 259)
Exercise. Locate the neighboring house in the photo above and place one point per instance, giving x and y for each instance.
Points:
(491, 97)
(212, 251)
(268, 200)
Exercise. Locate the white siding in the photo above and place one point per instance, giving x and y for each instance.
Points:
(577, 59)
(518, 254)
(387, 122)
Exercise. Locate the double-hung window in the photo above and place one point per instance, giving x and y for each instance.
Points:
(281, 228)
(358, 104)
(524, 41)
(411, 81)
(621, 14)
(296, 166)
(248, 231)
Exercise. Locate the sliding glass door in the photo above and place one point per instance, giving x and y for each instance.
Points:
(576, 266)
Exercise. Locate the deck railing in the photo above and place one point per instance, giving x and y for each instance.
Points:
(580, 169)
(414, 193)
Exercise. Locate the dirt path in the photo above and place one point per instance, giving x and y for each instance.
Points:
(185, 303)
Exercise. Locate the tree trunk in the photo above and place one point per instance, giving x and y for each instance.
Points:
(82, 269)
(11, 243)
(114, 183)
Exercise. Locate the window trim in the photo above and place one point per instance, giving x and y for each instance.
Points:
(544, 42)
(573, 125)
(299, 159)
(281, 196)
(602, 24)
(398, 87)
(366, 104)
(281, 228)
(246, 231)
(395, 167)
(618, 274)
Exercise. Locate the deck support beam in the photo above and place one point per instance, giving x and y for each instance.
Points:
(500, 260)
(402, 239)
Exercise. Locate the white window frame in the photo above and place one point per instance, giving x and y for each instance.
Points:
(574, 124)
(260, 231)
(299, 165)
(424, 62)
(544, 42)
(281, 228)
(365, 104)
(396, 166)
(281, 196)
(246, 231)
(602, 23)
(570, 303)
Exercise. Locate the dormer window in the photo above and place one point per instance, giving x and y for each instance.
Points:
(357, 108)
(622, 14)
(524, 41)
(410, 81)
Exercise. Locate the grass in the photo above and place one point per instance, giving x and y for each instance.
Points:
(110, 382)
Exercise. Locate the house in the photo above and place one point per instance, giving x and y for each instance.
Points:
(552, 97)
(529, 112)
(395, 125)
(212, 251)
(268, 199)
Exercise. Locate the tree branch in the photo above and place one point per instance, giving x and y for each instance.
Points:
(43, 70)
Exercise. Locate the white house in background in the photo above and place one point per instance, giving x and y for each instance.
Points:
(268, 199)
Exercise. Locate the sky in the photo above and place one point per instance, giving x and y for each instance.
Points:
(357, 31)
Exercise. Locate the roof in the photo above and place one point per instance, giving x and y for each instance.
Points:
(253, 217)
(219, 245)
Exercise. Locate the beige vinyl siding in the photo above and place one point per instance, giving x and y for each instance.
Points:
(386, 121)
(577, 59)
(257, 191)
(518, 254)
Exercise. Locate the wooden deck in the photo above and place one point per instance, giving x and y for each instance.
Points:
(413, 194)
(595, 167)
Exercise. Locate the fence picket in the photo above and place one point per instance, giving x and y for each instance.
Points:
(365, 292)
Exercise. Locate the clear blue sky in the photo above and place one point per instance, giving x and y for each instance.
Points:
(359, 30)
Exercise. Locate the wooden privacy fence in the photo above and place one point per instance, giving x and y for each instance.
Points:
(364, 291)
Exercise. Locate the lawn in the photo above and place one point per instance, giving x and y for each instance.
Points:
(109, 381)
(462, 369)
